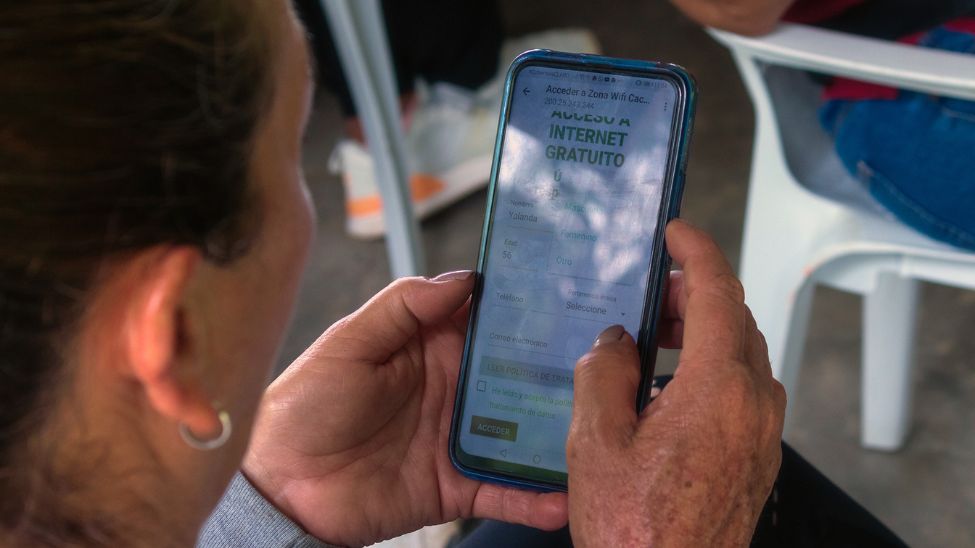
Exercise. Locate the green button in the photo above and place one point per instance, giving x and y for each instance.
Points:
(557, 377)
(494, 428)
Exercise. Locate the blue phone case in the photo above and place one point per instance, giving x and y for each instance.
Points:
(647, 338)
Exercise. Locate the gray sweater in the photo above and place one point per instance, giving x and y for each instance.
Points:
(245, 519)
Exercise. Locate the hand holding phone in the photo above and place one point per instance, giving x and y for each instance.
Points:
(697, 465)
(349, 440)
(588, 169)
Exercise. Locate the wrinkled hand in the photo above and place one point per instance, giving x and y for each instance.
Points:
(695, 468)
(351, 441)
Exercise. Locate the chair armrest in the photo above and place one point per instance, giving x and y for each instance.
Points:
(902, 66)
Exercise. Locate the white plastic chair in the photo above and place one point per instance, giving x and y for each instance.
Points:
(795, 239)
(360, 36)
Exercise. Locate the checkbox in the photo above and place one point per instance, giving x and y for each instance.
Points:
(481, 386)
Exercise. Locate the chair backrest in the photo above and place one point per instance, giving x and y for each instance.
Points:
(808, 149)
(776, 68)
(792, 150)
(893, 64)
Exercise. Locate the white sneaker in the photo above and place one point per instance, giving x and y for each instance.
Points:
(569, 40)
(449, 144)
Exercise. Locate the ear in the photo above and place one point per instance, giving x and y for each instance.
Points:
(162, 342)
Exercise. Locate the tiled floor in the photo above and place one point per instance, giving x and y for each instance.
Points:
(926, 492)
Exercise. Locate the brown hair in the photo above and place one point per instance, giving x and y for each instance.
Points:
(123, 124)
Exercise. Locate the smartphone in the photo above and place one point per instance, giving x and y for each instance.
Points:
(588, 169)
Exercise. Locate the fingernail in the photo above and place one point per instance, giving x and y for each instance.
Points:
(610, 334)
(453, 276)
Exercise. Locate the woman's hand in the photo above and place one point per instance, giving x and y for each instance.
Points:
(695, 468)
(351, 441)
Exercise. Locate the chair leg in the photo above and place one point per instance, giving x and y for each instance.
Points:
(780, 297)
(888, 353)
(363, 49)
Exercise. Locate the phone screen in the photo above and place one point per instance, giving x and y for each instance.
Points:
(579, 190)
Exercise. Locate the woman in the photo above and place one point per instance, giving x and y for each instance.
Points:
(153, 227)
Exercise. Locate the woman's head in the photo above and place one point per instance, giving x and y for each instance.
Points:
(153, 225)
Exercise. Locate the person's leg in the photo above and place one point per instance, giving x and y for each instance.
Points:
(442, 40)
(453, 42)
(913, 152)
(328, 66)
(806, 509)
(455, 50)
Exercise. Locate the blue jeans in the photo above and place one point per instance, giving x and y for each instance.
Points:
(915, 154)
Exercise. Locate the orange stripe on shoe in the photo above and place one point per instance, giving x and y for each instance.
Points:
(363, 206)
(422, 186)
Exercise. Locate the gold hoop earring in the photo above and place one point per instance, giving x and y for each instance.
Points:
(211, 444)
